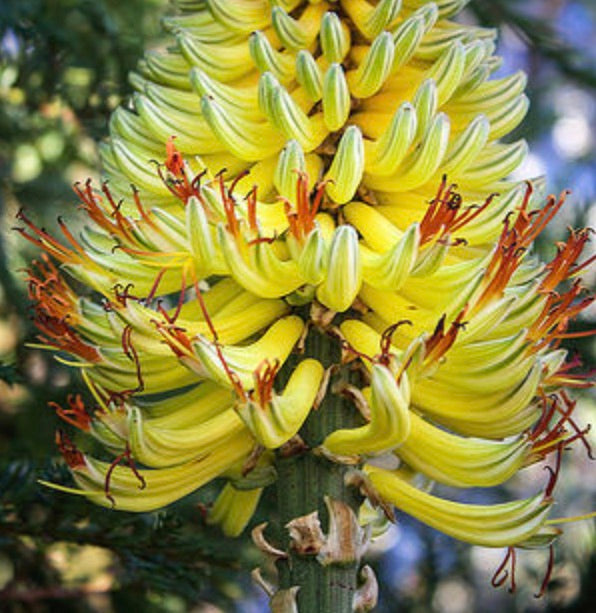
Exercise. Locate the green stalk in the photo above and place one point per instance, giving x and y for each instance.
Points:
(304, 480)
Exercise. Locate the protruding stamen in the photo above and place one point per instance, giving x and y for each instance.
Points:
(72, 456)
(133, 356)
(153, 291)
(125, 455)
(264, 377)
(171, 319)
(551, 325)
(122, 293)
(442, 218)
(554, 473)
(514, 242)
(251, 202)
(48, 243)
(177, 180)
(76, 414)
(501, 574)
(302, 220)
(440, 341)
(384, 357)
(563, 265)
(549, 570)
(232, 376)
(233, 225)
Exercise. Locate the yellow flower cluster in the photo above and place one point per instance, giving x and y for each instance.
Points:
(365, 177)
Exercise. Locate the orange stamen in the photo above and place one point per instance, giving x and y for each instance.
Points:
(76, 414)
(174, 160)
(564, 264)
(440, 342)
(264, 376)
(443, 214)
(302, 220)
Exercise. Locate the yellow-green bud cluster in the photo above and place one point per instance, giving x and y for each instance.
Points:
(336, 123)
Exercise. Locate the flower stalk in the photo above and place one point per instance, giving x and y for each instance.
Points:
(328, 580)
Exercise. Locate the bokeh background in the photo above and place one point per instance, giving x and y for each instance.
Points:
(63, 69)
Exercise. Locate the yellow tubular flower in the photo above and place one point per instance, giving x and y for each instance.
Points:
(234, 508)
(335, 169)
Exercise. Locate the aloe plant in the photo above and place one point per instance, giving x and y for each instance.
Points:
(325, 284)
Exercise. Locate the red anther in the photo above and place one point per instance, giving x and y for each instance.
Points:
(125, 455)
(72, 456)
(549, 571)
(122, 293)
(268, 240)
(196, 183)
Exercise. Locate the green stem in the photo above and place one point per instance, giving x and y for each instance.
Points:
(303, 482)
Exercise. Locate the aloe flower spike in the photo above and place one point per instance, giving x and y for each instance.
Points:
(325, 284)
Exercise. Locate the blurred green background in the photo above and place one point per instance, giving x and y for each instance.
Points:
(63, 69)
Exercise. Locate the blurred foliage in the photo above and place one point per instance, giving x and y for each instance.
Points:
(63, 68)
(541, 35)
(171, 552)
